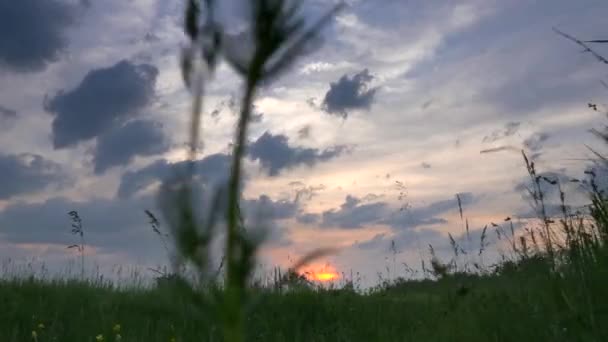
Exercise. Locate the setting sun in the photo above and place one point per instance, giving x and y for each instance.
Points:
(325, 273)
(325, 276)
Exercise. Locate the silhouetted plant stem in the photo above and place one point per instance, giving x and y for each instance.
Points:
(195, 125)
(234, 277)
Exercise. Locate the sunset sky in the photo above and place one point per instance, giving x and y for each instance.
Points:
(367, 140)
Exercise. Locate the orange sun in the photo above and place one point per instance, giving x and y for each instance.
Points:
(322, 274)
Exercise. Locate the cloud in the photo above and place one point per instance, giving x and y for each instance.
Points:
(426, 165)
(355, 214)
(27, 173)
(265, 207)
(275, 154)
(105, 99)
(136, 138)
(7, 113)
(350, 93)
(510, 129)
(33, 33)
(308, 218)
(402, 240)
(7, 117)
(210, 168)
(110, 225)
(48, 222)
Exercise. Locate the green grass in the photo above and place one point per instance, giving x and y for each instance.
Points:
(519, 306)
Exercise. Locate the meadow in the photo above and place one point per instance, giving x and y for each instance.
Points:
(552, 285)
(523, 300)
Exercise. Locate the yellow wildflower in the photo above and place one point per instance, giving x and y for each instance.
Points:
(99, 338)
(34, 334)
(116, 328)
(41, 326)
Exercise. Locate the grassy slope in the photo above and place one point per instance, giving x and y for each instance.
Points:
(525, 306)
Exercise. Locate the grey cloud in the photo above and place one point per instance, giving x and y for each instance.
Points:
(425, 165)
(427, 215)
(350, 93)
(105, 98)
(28, 173)
(136, 138)
(403, 240)
(33, 33)
(210, 168)
(7, 117)
(110, 226)
(354, 214)
(265, 207)
(7, 113)
(510, 129)
(308, 218)
(275, 154)
(411, 220)
(48, 222)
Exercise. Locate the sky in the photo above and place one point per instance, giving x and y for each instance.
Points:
(363, 145)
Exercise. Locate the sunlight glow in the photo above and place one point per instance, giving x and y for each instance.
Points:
(326, 273)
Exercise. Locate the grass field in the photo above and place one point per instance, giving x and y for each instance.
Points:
(525, 303)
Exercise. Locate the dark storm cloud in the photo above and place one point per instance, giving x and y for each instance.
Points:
(33, 33)
(137, 138)
(355, 214)
(275, 154)
(350, 93)
(27, 173)
(105, 98)
(508, 130)
(210, 168)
